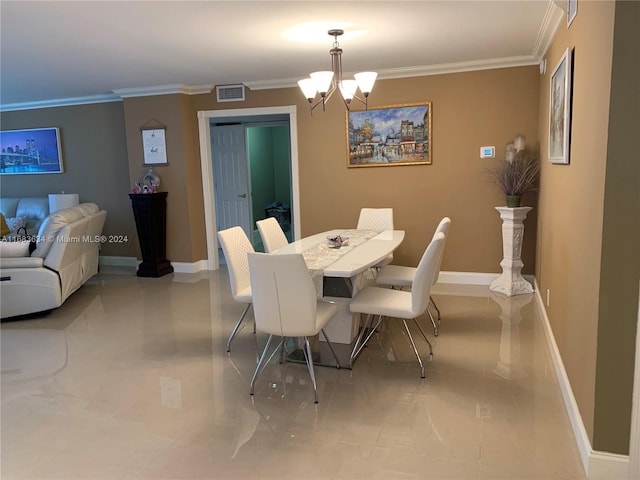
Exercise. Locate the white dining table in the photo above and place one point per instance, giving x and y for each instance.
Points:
(339, 273)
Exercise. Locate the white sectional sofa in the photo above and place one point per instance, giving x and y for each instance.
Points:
(66, 256)
(31, 210)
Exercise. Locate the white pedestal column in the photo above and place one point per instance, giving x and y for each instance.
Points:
(511, 281)
(509, 366)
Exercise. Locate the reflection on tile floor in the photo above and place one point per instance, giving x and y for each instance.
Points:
(130, 379)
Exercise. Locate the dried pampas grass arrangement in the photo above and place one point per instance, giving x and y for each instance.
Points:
(517, 176)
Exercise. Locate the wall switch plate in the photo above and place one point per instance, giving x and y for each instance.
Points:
(487, 152)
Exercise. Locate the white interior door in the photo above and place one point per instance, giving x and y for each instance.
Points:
(231, 177)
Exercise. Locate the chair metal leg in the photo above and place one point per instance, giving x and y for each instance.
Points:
(331, 348)
(433, 302)
(413, 345)
(283, 349)
(360, 344)
(358, 340)
(424, 335)
(237, 327)
(262, 363)
(309, 359)
(435, 306)
(433, 322)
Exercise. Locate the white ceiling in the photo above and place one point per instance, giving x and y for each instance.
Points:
(56, 50)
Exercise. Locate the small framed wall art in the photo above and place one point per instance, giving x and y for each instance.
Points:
(560, 109)
(154, 145)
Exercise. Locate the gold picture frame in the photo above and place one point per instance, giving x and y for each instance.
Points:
(389, 136)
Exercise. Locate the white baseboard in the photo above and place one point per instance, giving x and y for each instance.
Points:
(597, 465)
(467, 278)
(474, 278)
(195, 267)
(608, 466)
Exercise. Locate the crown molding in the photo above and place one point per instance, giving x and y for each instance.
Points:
(60, 102)
(550, 23)
(163, 90)
(116, 96)
(471, 66)
(419, 71)
(549, 29)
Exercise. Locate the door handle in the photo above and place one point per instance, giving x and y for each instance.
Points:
(243, 195)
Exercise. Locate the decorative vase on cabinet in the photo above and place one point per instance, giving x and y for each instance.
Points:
(150, 212)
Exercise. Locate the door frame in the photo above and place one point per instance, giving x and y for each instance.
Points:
(208, 192)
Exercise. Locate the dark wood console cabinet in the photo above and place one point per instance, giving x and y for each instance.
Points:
(150, 212)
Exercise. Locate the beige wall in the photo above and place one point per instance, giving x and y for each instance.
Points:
(181, 177)
(469, 110)
(582, 269)
(571, 200)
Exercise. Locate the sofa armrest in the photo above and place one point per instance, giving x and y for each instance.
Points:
(21, 262)
(28, 290)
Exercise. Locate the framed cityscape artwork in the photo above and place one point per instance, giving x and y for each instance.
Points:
(35, 150)
(389, 136)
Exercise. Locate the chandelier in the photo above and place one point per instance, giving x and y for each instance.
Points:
(327, 82)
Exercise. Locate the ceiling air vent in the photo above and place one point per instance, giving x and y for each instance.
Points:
(230, 93)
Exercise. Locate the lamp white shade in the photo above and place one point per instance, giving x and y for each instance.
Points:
(60, 201)
(308, 87)
(322, 80)
(365, 81)
(348, 89)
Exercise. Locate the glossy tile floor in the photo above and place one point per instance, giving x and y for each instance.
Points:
(130, 379)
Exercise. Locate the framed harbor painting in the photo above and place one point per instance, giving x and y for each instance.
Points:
(30, 151)
(389, 136)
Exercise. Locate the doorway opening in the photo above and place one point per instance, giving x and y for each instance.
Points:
(267, 187)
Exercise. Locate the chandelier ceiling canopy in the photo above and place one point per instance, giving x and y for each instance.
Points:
(327, 82)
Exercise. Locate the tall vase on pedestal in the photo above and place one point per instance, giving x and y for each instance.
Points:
(510, 282)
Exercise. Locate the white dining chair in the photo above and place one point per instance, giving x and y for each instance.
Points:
(235, 246)
(404, 305)
(285, 305)
(271, 233)
(378, 219)
(399, 276)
